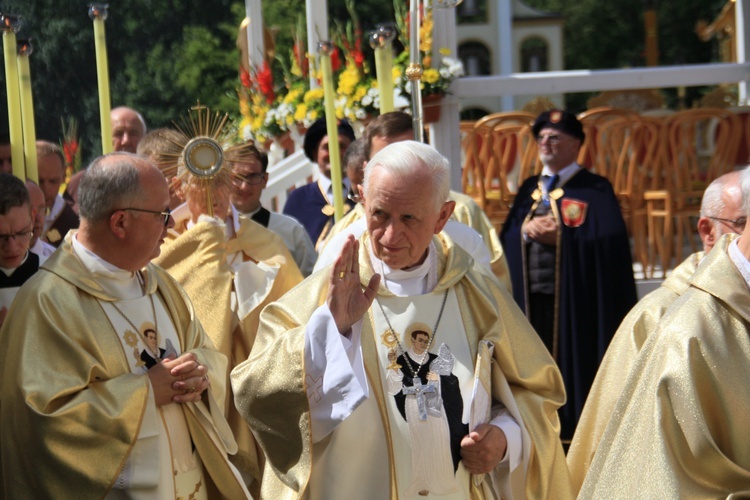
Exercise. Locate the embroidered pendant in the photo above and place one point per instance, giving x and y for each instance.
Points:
(420, 391)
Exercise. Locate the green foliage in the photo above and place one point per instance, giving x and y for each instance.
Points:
(601, 35)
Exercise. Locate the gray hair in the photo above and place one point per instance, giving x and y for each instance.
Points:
(712, 203)
(745, 187)
(402, 159)
(111, 182)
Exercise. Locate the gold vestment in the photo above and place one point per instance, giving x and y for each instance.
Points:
(270, 389)
(680, 428)
(197, 259)
(70, 407)
(617, 363)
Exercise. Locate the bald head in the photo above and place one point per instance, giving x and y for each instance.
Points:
(721, 209)
(124, 205)
(128, 128)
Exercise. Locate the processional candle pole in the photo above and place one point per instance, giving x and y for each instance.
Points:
(382, 41)
(25, 49)
(10, 24)
(325, 49)
(414, 71)
(98, 13)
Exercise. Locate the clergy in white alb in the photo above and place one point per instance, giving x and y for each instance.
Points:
(315, 389)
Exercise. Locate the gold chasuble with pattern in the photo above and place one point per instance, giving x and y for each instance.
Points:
(403, 439)
(679, 430)
(617, 364)
(229, 282)
(77, 414)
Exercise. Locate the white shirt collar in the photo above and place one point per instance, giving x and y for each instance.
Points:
(563, 175)
(115, 281)
(327, 187)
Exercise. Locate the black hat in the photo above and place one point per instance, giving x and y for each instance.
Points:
(318, 130)
(563, 121)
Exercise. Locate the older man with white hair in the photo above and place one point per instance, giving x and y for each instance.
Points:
(470, 410)
(679, 428)
(721, 212)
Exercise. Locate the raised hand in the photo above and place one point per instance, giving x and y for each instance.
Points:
(347, 301)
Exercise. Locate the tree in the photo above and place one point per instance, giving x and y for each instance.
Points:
(163, 56)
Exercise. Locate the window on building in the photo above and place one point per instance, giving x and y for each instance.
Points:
(476, 58)
(472, 12)
(534, 54)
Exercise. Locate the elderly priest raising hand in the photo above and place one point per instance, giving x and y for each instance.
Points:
(403, 364)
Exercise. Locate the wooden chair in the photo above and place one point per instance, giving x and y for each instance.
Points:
(626, 146)
(479, 149)
(592, 119)
(701, 145)
(514, 159)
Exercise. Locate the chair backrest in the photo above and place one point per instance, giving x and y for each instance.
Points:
(702, 145)
(515, 158)
(628, 147)
(479, 150)
(592, 119)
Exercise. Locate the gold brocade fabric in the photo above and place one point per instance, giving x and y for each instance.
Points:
(617, 365)
(270, 391)
(468, 212)
(70, 407)
(680, 428)
(197, 259)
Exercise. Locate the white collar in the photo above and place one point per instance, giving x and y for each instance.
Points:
(418, 280)
(57, 207)
(10, 270)
(743, 265)
(115, 281)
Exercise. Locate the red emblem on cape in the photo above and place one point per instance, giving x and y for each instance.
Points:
(574, 212)
(555, 116)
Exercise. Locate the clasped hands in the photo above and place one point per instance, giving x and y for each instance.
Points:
(178, 380)
(541, 229)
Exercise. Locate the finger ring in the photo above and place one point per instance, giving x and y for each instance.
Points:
(192, 389)
(341, 275)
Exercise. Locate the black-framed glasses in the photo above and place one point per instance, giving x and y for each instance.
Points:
(166, 213)
(19, 237)
(251, 179)
(736, 224)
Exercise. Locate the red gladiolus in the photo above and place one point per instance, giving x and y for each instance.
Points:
(245, 78)
(265, 82)
(70, 149)
(335, 59)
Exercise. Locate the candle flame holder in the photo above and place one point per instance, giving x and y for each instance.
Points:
(382, 35)
(10, 23)
(25, 47)
(98, 11)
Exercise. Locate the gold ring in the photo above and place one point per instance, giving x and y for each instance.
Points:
(341, 275)
(192, 389)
